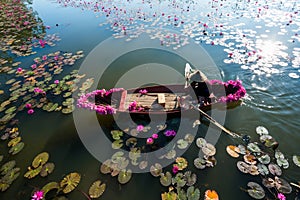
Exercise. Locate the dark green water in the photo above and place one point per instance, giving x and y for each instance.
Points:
(272, 101)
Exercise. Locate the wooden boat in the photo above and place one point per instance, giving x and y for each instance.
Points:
(167, 99)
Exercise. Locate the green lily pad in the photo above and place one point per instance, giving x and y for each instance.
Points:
(296, 160)
(166, 179)
(116, 134)
(40, 159)
(4, 186)
(200, 163)
(69, 109)
(171, 195)
(179, 180)
(17, 148)
(243, 167)
(6, 167)
(11, 110)
(253, 148)
(264, 159)
(156, 170)
(263, 169)
(282, 162)
(193, 194)
(97, 189)
(50, 186)
(31, 173)
(70, 182)
(117, 144)
(117, 156)
(182, 144)
(274, 169)
(124, 176)
(12, 175)
(255, 191)
(131, 142)
(181, 163)
(47, 169)
(170, 154)
(10, 81)
(190, 178)
(14, 142)
(106, 167)
(201, 142)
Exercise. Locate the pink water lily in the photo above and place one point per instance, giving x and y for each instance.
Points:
(154, 136)
(281, 196)
(38, 195)
(56, 82)
(140, 128)
(30, 111)
(28, 105)
(150, 140)
(175, 169)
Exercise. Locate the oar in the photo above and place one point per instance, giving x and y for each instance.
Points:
(235, 135)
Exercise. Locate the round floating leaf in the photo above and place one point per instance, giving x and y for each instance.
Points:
(171, 154)
(253, 148)
(169, 196)
(143, 164)
(296, 160)
(209, 149)
(264, 159)
(124, 176)
(242, 149)
(166, 179)
(190, 178)
(255, 191)
(117, 144)
(116, 134)
(17, 148)
(274, 169)
(117, 156)
(200, 142)
(283, 163)
(40, 159)
(11, 175)
(250, 159)
(97, 189)
(199, 163)
(106, 167)
(70, 182)
(31, 173)
(131, 142)
(253, 170)
(156, 169)
(7, 167)
(50, 186)
(193, 194)
(14, 141)
(260, 130)
(189, 138)
(181, 163)
(232, 151)
(283, 186)
(263, 169)
(182, 144)
(242, 166)
(4, 186)
(179, 180)
(211, 195)
(47, 169)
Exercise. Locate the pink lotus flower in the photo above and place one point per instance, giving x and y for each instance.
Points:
(150, 140)
(140, 128)
(26, 23)
(155, 136)
(38, 195)
(33, 66)
(281, 196)
(44, 58)
(30, 111)
(56, 82)
(175, 169)
(28, 105)
(170, 133)
(143, 91)
(19, 70)
(42, 43)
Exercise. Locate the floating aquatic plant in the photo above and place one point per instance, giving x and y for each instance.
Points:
(166, 179)
(47, 169)
(211, 195)
(255, 191)
(97, 189)
(124, 176)
(70, 182)
(193, 193)
(50, 186)
(40, 159)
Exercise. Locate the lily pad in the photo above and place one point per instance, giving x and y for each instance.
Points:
(14, 141)
(11, 175)
(178, 180)
(253, 148)
(201, 142)
(260, 130)
(131, 142)
(171, 195)
(264, 159)
(211, 195)
(189, 138)
(17, 148)
(181, 163)
(242, 166)
(193, 194)
(166, 179)
(97, 189)
(47, 169)
(190, 178)
(263, 169)
(182, 144)
(124, 176)
(40, 159)
(70, 182)
(116, 134)
(156, 170)
(250, 159)
(6, 167)
(143, 164)
(106, 167)
(170, 154)
(274, 169)
(296, 160)
(200, 163)
(232, 151)
(209, 149)
(50, 186)
(31, 173)
(255, 191)
(117, 144)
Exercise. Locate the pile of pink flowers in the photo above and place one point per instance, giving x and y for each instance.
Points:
(133, 106)
(84, 101)
(235, 89)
